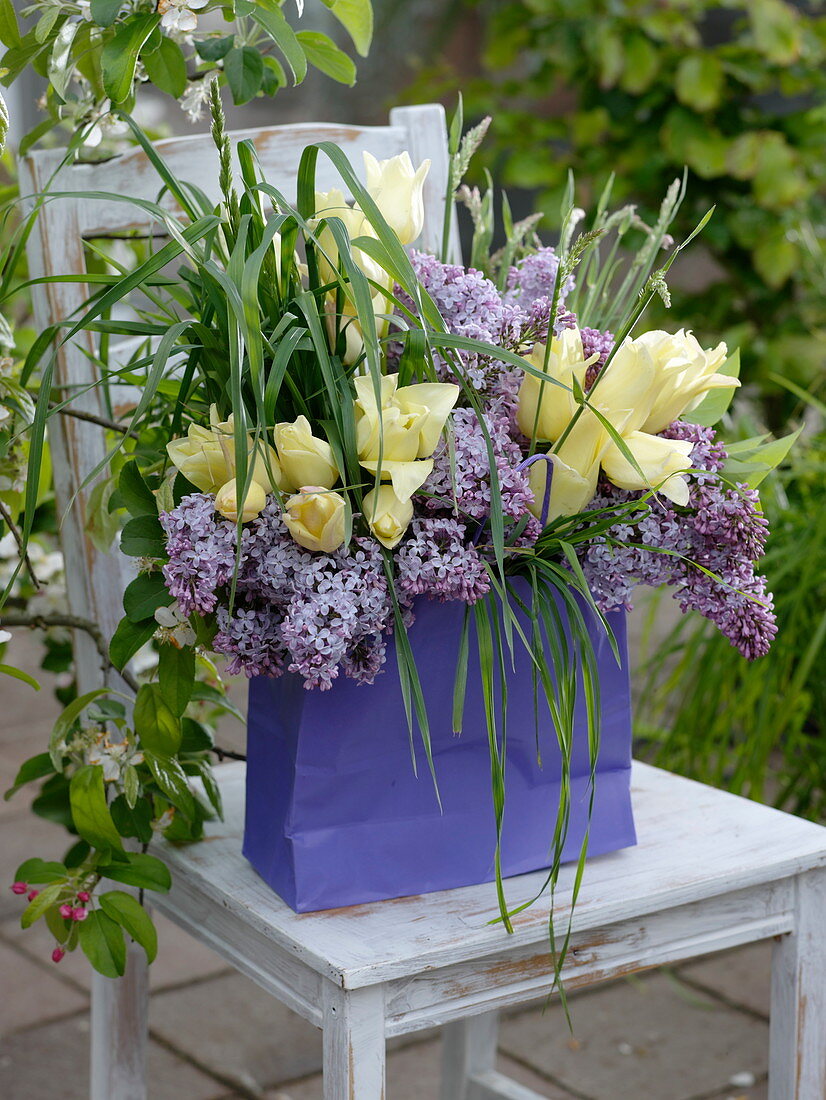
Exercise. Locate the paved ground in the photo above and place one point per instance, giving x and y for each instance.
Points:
(692, 1034)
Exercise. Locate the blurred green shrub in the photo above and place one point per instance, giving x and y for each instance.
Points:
(732, 90)
(755, 728)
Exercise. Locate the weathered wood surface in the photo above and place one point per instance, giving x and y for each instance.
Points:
(711, 871)
(797, 1043)
(695, 844)
(418, 129)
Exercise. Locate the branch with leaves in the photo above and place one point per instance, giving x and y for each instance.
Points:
(100, 54)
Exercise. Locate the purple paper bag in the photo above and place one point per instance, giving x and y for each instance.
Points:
(335, 814)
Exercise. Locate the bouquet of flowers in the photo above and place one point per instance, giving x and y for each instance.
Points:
(331, 427)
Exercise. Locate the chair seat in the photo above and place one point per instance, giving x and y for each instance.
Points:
(698, 847)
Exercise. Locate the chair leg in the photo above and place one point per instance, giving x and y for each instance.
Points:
(797, 1045)
(469, 1062)
(119, 1032)
(354, 1043)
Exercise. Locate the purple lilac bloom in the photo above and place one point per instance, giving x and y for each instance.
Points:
(437, 562)
(598, 343)
(311, 614)
(471, 306)
(201, 547)
(724, 533)
(464, 484)
(533, 277)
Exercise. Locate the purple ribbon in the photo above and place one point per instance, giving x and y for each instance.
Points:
(546, 500)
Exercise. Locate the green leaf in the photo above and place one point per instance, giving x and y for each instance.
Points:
(36, 767)
(120, 55)
(59, 927)
(754, 464)
(133, 820)
(60, 67)
(156, 725)
(65, 721)
(44, 900)
(215, 49)
(715, 402)
(356, 16)
(37, 871)
(176, 675)
(170, 777)
(197, 737)
(143, 537)
(133, 918)
(19, 674)
(128, 639)
(244, 70)
(272, 19)
(136, 495)
(699, 81)
(9, 27)
(144, 871)
(777, 30)
(90, 813)
(144, 595)
(326, 56)
(105, 12)
(102, 942)
(166, 68)
(274, 76)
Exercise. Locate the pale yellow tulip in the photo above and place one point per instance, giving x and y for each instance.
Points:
(685, 372)
(387, 517)
(555, 405)
(305, 458)
(397, 189)
(206, 456)
(315, 518)
(402, 428)
(226, 501)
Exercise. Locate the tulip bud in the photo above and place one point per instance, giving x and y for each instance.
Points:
(315, 518)
(397, 190)
(387, 516)
(305, 459)
(226, 501)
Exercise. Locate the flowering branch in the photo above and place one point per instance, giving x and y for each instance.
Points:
(18, 538)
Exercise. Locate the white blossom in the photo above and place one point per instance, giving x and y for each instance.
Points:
(179, 15)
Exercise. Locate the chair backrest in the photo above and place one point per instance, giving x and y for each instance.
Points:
(56, 247)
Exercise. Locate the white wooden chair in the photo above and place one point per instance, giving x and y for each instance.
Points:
(711, 870)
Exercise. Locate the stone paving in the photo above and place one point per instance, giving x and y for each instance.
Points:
(695, 1033)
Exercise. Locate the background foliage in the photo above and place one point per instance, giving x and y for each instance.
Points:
(733, 90)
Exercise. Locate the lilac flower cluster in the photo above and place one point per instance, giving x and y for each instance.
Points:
(295, 611)
(472, 306)
(201, 551)
(706, 555)
(438, 562)
(598, 343)
(461, 481)
(533, 279)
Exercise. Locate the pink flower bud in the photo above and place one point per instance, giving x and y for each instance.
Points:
(58, 954)
(19, 888)
(66, 910)
(83, 895)
(33, 894)
(80, 913)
